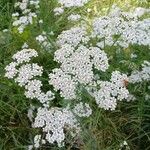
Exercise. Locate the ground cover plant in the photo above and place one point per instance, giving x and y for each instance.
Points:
(75, 74)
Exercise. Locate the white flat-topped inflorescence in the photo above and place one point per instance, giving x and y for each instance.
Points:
(82, 110)
(73, 36)
(126, 26)
(43, 41)
(143, 75)
(72, 3)
(63, 82)
(24, 73)
(53, 123)
(110, 92)
(25, 16)
(74, 17)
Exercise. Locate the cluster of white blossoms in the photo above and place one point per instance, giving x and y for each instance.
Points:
(28, 71)
(11, 70)
(77, 62)
(20, 57)
(73, 36)
(33, 90)
(54, 122)
(81, 62)
(58, 11)
(25, 15)
(110, 91)
(124, 145)
(69, 4)
(63, 82)
(72, 3)
(24, 74)
(43, 40)
(82, 110)
(24, 55)
(122, 28)
(143, 75)
(74, 17)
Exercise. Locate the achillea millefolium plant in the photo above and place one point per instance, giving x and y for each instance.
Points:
(75, 75)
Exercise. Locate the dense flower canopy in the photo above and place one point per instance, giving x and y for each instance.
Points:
(79, 60)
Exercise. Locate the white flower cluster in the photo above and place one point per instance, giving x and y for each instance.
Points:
(33, 90)
(100, 59)
(20, 57)
(133, 56)
(67, 4)
(111, 92)
(127, 27)
(81, 62)
(24, 55)
(5, 30)
(23, 73)
(63, 82)
(73, 36)
(74, 17)
(76, 66)
(79, 65)
(25, 45)
(26, 72)
(11, 70)
(143, 75)
(25, 16)
(72, 3)
(124, 145)
(37, 141)
(54, 122)
(77, 62)
(82, 110)
(43, 40)
(58, 11)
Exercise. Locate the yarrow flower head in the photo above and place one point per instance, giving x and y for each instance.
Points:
(24, 55)
(58, 11)
(72, 3)
(25, 16)
(27, 72)
(127, 26)
(74, 17)
(143, 75)
(43, 40)
(63, 82)
(24, 73)
(77, 63)
(54, 122)
(11, 70)
(111, 92)
(82, 110)
(74, 36)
